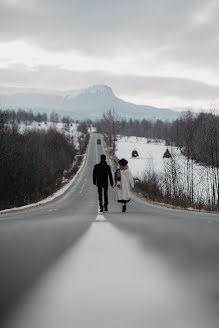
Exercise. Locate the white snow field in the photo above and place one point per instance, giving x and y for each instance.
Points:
(151, 160)
(150, 154)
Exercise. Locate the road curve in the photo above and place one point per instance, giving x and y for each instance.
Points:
(64, 265)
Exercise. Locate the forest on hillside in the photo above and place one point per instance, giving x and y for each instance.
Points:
(32, 163)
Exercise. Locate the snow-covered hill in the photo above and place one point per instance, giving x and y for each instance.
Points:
(80, 104)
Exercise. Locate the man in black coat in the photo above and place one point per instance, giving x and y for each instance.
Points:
(101, 174)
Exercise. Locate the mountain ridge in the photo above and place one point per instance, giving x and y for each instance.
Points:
(88, 103)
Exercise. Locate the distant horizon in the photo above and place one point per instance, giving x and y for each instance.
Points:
(125, 98)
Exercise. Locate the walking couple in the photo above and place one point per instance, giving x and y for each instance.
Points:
(122, 181)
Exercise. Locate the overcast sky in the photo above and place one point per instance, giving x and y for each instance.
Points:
(156, 52)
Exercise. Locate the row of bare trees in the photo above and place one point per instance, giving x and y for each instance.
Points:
(31, 164)
(110, 127)
(23, 116)
(112, 124)
(197, 136)
(84, 136)
(27, 117)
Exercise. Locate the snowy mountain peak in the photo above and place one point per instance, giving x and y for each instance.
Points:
(99, 90)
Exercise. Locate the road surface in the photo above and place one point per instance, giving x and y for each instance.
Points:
(64, 265)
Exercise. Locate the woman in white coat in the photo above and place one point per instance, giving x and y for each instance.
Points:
(123, 181)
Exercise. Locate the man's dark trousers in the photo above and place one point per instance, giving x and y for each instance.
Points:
(101, 174)
(103, 190)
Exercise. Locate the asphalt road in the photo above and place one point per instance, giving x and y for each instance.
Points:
(64, 265)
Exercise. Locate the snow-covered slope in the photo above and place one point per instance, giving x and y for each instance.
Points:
(81, 104)
(151, 160)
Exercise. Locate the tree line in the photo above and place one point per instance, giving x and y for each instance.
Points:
(27, 117)
(32, 163)
(197, 137)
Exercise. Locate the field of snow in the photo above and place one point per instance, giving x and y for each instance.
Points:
(150, 154)
(151, 160)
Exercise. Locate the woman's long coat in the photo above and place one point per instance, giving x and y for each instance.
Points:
(123, 193)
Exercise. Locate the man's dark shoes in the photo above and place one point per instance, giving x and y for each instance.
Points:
(105, 208)
(124, 208)
(101, 209)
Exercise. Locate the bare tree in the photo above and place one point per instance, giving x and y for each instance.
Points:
(54, 118)
(110, 126)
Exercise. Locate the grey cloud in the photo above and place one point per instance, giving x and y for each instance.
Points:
(51, 77)
(165, 29)
(102, 26)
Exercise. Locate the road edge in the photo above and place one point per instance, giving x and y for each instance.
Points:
(63, 190)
